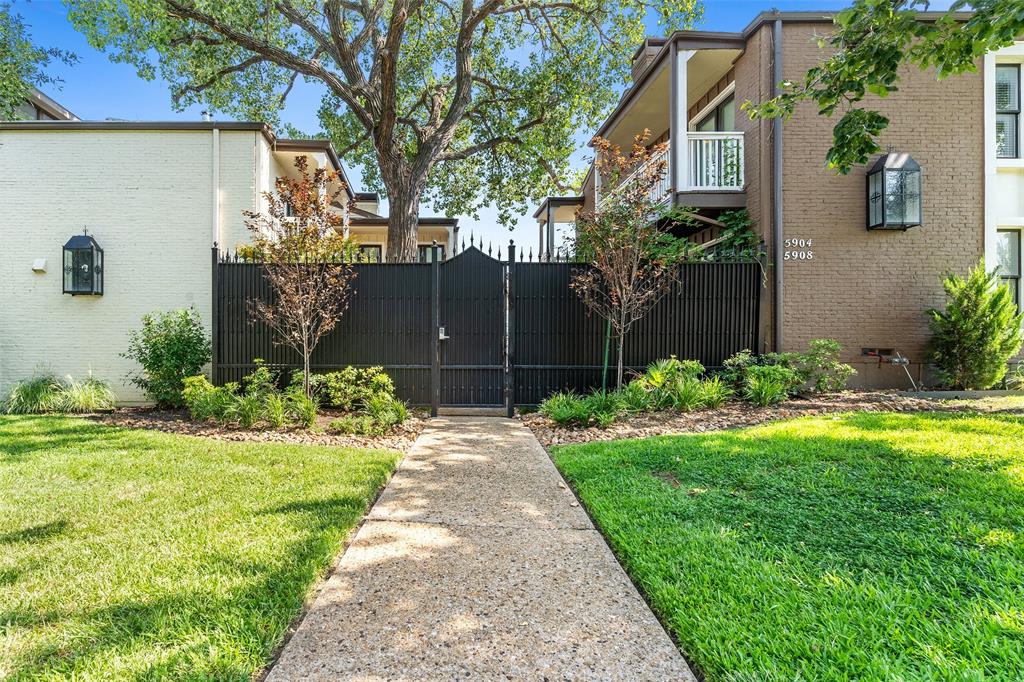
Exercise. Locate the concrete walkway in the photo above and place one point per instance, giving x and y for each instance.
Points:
(477, 562)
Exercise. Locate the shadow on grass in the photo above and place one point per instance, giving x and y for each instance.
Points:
(202, 634)
(23, 435)
(43, 531)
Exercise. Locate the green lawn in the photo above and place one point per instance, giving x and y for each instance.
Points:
(867, 546)
(134, 554)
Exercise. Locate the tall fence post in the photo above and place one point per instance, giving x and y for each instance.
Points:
(510, 333)
(435, 304)
(215, 314)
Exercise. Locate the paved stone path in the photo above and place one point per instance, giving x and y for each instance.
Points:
(477, 562)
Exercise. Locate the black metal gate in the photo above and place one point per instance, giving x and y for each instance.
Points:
(471, 330)
(513, 330)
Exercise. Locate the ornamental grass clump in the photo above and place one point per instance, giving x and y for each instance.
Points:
(46, 393)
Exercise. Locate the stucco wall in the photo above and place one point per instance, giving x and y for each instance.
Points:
(146, 196)
(871, 289)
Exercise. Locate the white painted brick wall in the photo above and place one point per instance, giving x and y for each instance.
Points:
(146, 196)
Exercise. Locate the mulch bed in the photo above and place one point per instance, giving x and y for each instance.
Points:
(732, 415)
(178, 421)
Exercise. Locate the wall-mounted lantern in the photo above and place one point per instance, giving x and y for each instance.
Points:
(894, 193)
(83, 266)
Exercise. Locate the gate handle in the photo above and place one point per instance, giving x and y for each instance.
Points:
(441, 336)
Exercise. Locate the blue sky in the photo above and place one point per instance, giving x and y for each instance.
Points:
(96, 88)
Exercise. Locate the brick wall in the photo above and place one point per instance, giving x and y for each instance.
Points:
(146, 196)
(871, 289)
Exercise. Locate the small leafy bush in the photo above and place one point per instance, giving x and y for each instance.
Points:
(33, 396)
(714, 392)
(820, 369)
(603, 408)
(663, 377)
(770, 384)
(205, 401)
(974, 338)
(350, 389)
(170, 347)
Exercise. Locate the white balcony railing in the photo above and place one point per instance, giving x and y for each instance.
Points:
(714, 163)
(715, 160)
(661, 191)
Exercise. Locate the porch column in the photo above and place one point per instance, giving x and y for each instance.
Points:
(678, 123)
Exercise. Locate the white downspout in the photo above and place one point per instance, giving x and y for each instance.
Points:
(215, 187)
(989, 123)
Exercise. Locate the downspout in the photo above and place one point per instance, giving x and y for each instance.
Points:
(777, 249)
(216, 186)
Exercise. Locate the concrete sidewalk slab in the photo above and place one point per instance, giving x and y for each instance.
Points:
(477, 562)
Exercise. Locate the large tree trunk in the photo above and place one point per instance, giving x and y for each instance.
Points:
(403, 223)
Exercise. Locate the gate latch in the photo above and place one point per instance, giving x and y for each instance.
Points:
(441, 336)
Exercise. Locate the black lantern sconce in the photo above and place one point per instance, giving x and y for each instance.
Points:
(83, 266)
(894, 193)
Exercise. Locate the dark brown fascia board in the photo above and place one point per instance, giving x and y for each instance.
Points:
(317, 145)
(710, 40)
(50, 106)
(368, 196)
(557, 201)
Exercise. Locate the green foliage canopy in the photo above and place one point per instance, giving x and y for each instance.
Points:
(22, 63)
(872, 41)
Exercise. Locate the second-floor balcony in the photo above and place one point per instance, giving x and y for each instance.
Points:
(714, 164)
(684, 95)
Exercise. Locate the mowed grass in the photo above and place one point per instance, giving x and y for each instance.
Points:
(861, 547)
(139, 555)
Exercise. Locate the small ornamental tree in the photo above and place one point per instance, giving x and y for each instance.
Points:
(977, 333)
(631, 254)
(299, 242)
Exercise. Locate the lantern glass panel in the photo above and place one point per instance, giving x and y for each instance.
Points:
(875, 199)
(895, 204)
(912, 197)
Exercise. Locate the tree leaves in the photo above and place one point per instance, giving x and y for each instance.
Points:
(873, 40)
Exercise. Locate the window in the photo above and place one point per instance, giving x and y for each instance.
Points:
(722, 118)
(370, 253)
(426, 251)
(1008, 111)
(1008, 254)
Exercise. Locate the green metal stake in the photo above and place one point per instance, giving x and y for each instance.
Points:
(607, 347)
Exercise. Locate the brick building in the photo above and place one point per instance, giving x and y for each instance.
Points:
(828, 275)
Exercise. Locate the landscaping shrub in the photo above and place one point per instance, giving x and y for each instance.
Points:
(274, 410)
(820, 369)
(353, 424)
(603, 408)
(170, 347)
(245, 410)
(714, 392)
(770, 384)
(634, 396)
(33, 396)
(301, 409)
(350, 389)
(977, 333)
(205, 401)
(88, 395)
(47, 393)
(565, 408)
(386, 411)
(663, 377)
(686, 394)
